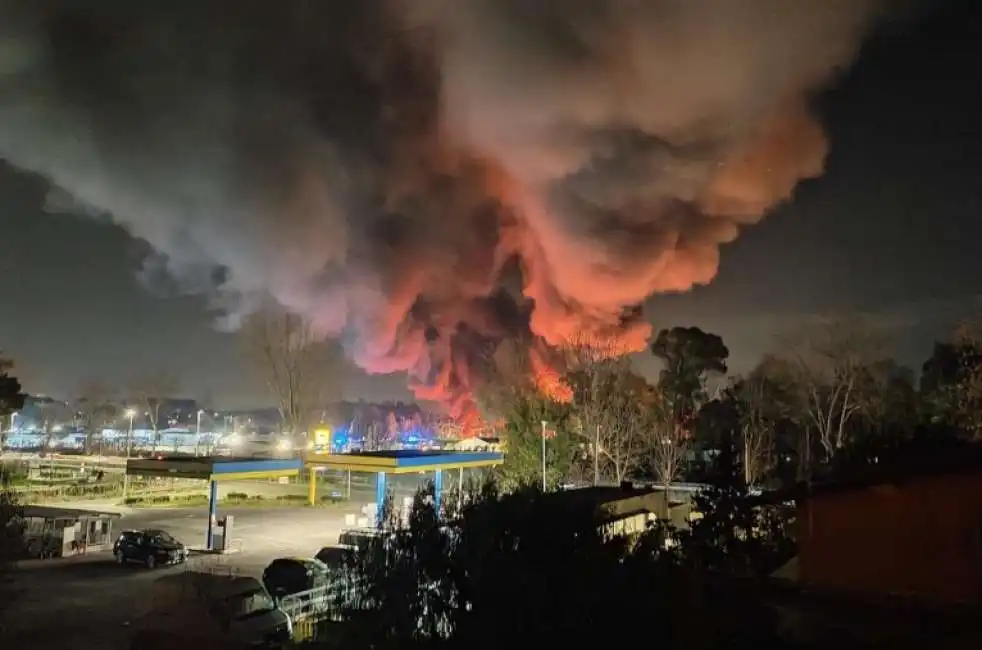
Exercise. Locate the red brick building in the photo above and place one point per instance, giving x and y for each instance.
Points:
(914, 530)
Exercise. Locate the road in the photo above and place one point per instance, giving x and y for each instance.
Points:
(89, 602)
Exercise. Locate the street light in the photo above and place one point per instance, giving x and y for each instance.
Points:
(129, 413)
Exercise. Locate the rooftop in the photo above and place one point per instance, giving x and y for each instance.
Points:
(400, 454)
(957, 458)
(49, 512)
(600, 495)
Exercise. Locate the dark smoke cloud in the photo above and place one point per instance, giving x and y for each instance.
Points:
(380, 165)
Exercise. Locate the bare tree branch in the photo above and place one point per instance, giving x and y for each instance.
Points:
(301, 370)
(832, 362)
(756, 429)
(150, 390)
(669, 444)
(611, 403)
(95, 407)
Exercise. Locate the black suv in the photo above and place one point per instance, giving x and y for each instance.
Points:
(149, 547)
(289, 575)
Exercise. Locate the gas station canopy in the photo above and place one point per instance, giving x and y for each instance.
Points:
(405, 461)
(214, 469)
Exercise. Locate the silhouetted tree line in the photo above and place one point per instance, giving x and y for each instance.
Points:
(828, 399)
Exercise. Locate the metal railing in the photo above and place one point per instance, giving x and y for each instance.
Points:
(321, 603)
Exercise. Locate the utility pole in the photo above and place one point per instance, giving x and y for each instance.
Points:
(596, 458)
(543, 455)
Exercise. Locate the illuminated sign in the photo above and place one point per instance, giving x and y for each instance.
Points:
(322, 438)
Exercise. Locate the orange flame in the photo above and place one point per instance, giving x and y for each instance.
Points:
(548, 381)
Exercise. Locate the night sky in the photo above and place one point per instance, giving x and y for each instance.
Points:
(892, 228)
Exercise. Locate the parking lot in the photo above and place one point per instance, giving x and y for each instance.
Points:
(91, 602)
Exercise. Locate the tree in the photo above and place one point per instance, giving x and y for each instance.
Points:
(834, 364)
(690, 357)
(366, 424)
(95, 407)
(373, 437)
(391, 427)
(741, 411)
(11, 541)
(735, 532)
(890, 409)
(758, 415)
(612, 405)
(447, 428)
(522, 438)
(951, 382)
(302, 371)
(11, 397)
(670, 442)
(150, 391)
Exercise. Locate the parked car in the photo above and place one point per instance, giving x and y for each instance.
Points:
(201, 610)
(334, 558)
(151, 547)
(361, 539)
(291, 575)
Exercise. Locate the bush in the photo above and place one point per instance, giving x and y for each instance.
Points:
(237, 496)
(130, 501)
(292, 497)
(161, 498)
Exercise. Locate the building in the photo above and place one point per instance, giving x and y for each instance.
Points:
(912, 529)
(626, 510)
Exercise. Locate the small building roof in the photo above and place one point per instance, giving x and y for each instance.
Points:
(50, 512)
(617, 501)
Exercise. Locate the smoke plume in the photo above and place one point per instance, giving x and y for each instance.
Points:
(426, 178)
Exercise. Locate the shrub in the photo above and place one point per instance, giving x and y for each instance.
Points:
(237, 496)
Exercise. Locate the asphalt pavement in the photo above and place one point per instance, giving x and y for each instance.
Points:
(90, 602)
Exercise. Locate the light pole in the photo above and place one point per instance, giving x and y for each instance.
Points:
(130, 413)
(197, 433)
(543, 455)
(596, 458)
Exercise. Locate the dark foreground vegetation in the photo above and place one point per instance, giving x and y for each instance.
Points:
(530, 568)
